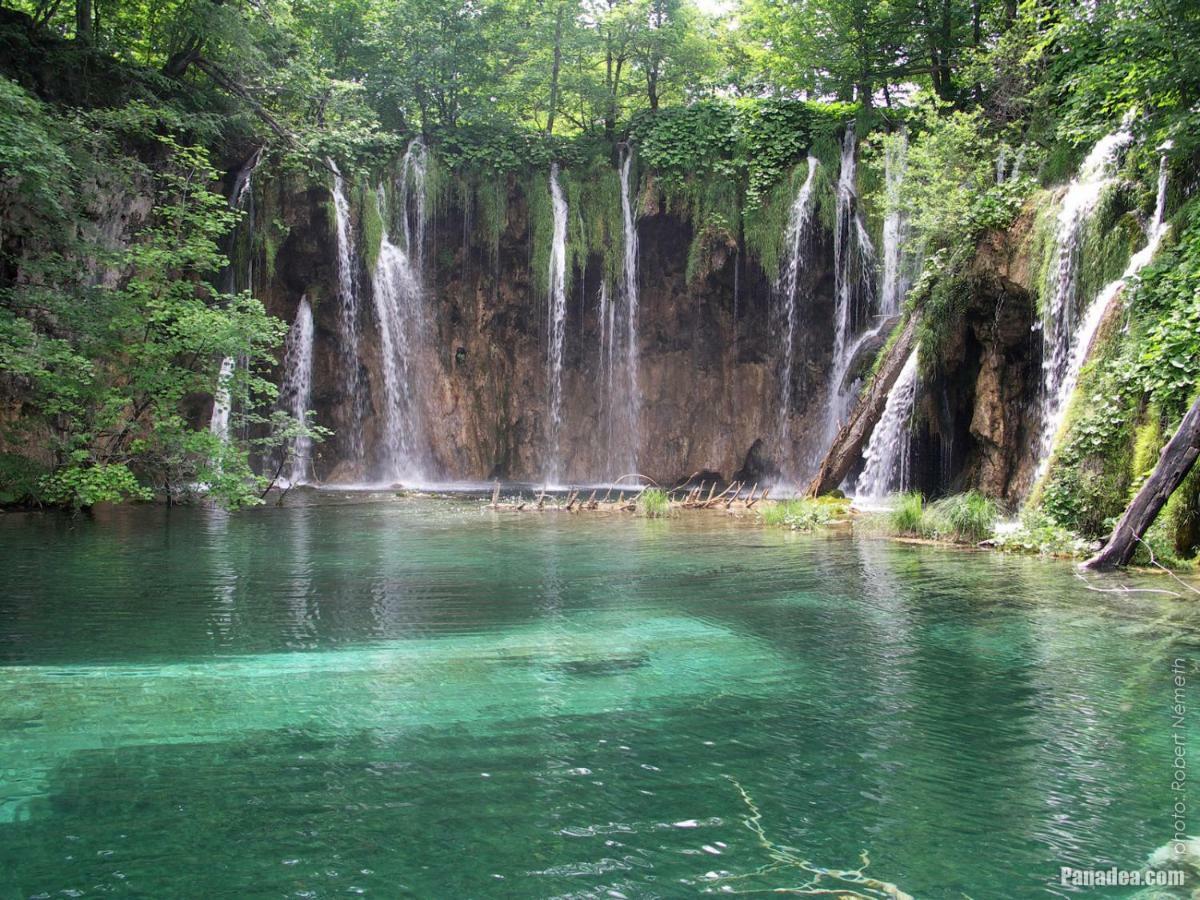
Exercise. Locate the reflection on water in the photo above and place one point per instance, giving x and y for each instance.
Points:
(420, 697)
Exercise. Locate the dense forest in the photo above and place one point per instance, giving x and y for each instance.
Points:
(127, 131)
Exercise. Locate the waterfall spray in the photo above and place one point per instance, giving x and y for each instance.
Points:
(399, 314)
(1059, 379)
(1063, 329)
(887, 453)
(895, 228)
(219, 423)
(628, 405)
(348, 317)
(796, 241)
(295, 393)
(854, 286)
(557, 319)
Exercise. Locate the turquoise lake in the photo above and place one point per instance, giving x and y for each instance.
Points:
(420, 698)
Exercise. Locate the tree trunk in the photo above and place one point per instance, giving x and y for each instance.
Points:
(83, 21)
(1173, 466)
(847, 447)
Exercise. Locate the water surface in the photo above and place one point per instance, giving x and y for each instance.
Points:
(422, 698)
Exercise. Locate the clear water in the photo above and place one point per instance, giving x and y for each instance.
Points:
(422, 698)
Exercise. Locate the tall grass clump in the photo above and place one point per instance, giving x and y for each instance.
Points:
(967, 518)
(654, 503)
(907, 514)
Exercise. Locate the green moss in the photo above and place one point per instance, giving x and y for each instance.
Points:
(371, 226)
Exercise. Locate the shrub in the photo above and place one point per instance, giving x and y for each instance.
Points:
(803, 514)
(20, 479)
(654, 503)
(968, 517)
(908, 514)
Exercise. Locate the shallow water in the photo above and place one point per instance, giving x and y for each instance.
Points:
(422, 698)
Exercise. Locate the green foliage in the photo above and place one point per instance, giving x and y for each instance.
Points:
(1141, 380)
(654, 503)
(907, 514)
(1037, 533)
(109, 341)
(965, 518)
(83, 484)
(20, 480)
(804, 513)
(962, 518)
(371, 218)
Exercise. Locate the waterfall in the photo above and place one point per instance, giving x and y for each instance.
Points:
(557, 318)
(411, 189)
(348, 317)
(219, 423)
(399, 312)
(295, 393)
(795, 242)
(1062, 381)
(886, 457)
(1063, 329)
(627, 405)
(854, 286)
(241, 197)
(896, 279)
(399, 303)
(854, 255)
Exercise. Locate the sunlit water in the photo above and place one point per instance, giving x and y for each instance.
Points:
(422, 698)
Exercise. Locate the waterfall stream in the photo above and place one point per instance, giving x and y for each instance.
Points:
(796, 241)
(241, 198)
(896, 275)
(854, 286)
(557, 321)
(1066, 341)
(399, 304)
(348, 362)
(627, 406)
(295, 393)
(396, 290)
(219, 423)
(886, 457)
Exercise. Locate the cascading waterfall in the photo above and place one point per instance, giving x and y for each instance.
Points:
(896, 277)
(1062, 381)
(240, 198)
(399, 313)
(557, 320)
(626, 405)
(899, 265)
(854, 286)
(887, 455)
(348, 317)
(295, 393)
(795, 241)
(219, 423)
(411, 194)
(1063, 329)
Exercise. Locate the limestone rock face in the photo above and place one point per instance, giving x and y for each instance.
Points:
(708, 372)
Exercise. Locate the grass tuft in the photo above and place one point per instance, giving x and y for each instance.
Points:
(654, 503)
(804, 513)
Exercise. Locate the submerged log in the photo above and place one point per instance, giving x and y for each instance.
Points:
(1174, 463)
(848, 446)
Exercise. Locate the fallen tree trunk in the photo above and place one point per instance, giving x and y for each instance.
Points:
(1174, 463)
(847, 447)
